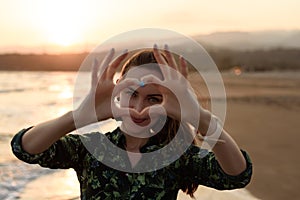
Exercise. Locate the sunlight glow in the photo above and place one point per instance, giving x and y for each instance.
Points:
(48, 26)
(66, 94)
(63, 22)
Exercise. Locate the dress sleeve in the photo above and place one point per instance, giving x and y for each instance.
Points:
(202, 168)
(64, 153)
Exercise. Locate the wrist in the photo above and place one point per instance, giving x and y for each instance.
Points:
(213, 133)
(204, 121)
(209, 125)
(83, 116)
(68, 120)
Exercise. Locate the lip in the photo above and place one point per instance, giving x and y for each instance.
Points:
(140, 121)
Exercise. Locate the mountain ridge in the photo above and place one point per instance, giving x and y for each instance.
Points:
(242, 40)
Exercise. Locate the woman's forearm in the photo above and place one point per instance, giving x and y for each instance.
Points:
(229, 155)
(227, 152)
(42, 136)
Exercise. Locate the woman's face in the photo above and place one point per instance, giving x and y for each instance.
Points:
(139, 98)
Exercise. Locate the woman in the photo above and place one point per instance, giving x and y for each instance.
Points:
(152, 115)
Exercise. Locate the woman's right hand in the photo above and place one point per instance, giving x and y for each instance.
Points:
(95, 107)
(97, 104)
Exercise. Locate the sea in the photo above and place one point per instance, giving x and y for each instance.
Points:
(27, 98)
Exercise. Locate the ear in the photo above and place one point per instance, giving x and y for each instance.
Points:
(117, 81)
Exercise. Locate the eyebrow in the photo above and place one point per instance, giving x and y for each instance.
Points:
(151, 95)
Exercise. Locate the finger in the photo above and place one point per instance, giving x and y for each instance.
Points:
(95, 68)
(153, 111)
(124, 112)
(112, 68)
(151, 79)
(159, 58)
(174, 74)
(173, 71)
(157, 110)
(170, 57)
(161, 62)
(183, 66)
(119, 111)
(105, 62)
(125, 84)
(163, 86)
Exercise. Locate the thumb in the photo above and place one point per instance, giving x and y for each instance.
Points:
(153, 111)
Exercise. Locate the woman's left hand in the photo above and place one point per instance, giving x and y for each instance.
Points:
(179, 99)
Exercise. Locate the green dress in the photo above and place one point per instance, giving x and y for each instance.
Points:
(99, 181)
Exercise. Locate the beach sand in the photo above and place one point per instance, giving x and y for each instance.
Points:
(262, 116)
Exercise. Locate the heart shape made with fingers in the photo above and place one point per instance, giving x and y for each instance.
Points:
(178, 100)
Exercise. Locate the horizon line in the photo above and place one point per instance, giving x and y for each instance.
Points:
(85, 47)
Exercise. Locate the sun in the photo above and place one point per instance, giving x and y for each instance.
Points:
(64, 36)
(62, 22)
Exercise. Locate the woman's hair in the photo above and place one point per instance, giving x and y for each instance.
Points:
(171, 126)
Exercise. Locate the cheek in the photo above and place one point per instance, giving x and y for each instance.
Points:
(154, 119)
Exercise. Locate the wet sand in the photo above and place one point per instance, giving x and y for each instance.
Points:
(262, 116)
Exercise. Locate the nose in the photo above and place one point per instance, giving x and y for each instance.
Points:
(137, 104)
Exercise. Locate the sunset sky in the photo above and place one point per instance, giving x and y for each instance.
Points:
(74, 25)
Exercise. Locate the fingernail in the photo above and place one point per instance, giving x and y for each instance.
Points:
(125, 51)
(166, 47)
(183, 59)
(95, 61)
(155, 46)
(142, 84)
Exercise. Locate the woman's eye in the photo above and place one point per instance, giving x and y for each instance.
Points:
(131, 93)
(154, 100)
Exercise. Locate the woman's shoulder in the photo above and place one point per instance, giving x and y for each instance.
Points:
(96, 136)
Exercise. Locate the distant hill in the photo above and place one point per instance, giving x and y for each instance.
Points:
(250, 51)
(257, 60)
(225, 59)
(41, 62)
(251, 40)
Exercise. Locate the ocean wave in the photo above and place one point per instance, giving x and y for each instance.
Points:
(15, 175)
(13, 90)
